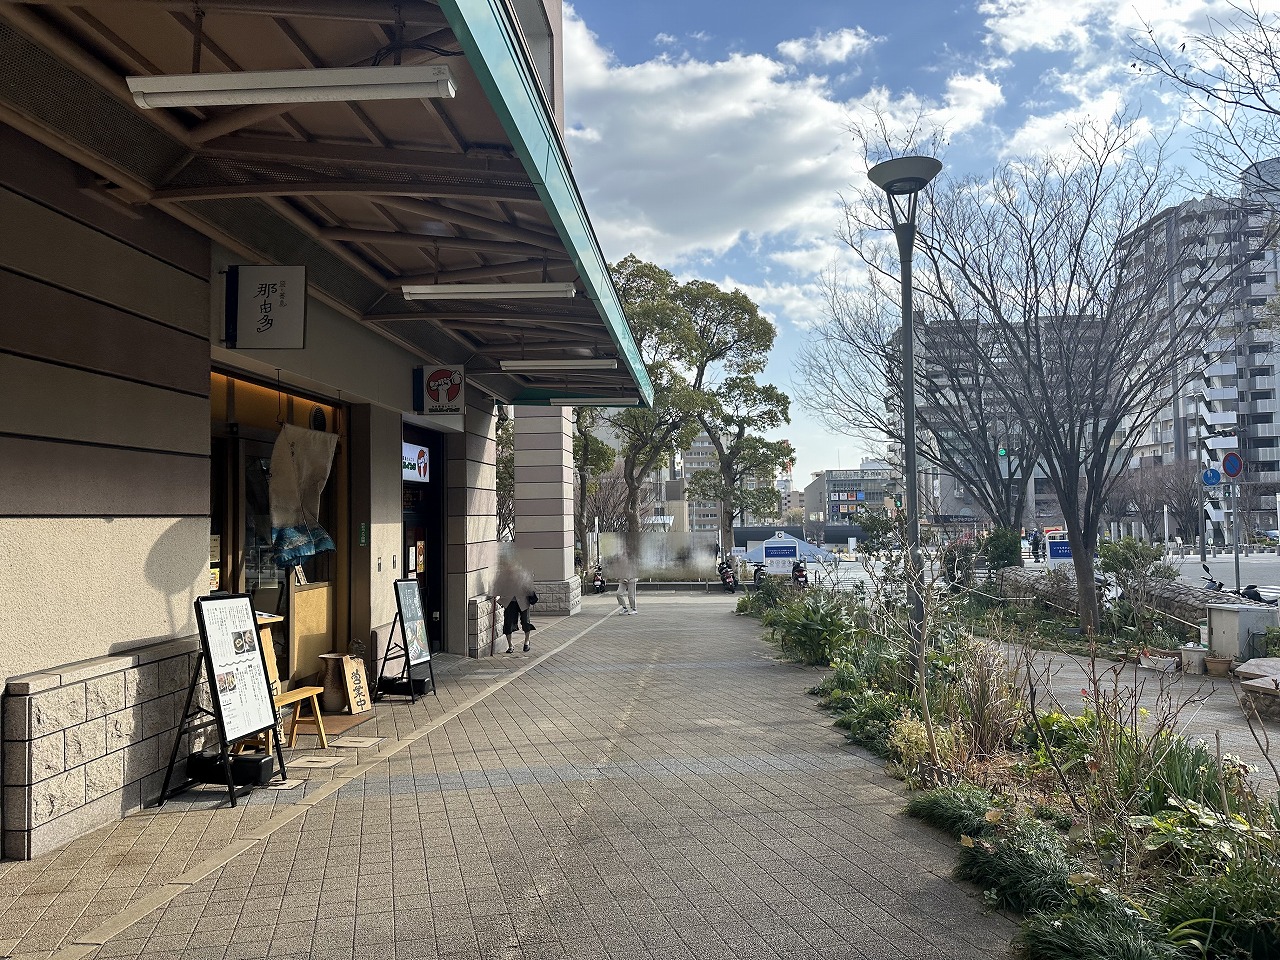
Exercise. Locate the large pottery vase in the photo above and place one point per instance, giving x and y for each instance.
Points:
(1217, 666)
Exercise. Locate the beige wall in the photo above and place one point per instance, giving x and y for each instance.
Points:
(544, 491)
(81, 587)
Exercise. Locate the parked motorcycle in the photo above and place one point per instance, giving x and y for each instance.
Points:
(1248, 592)
(597, 582)
(728, 577)
(757, 573)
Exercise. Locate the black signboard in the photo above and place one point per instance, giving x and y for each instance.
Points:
(414, 648)
(234, 662)
(413, 625)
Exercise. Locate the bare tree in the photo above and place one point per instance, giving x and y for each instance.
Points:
(607, 499)
(851, 369)
(1182, 490)
(1064, 275)
(1231, 73)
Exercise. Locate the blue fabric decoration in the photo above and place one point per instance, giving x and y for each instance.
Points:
(291, 545)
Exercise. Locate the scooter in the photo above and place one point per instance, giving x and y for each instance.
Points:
(800, 578)
(728, 578)
(1248, 592)
(757, 573)
(597, 582)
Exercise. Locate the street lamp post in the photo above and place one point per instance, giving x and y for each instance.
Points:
(902, 179)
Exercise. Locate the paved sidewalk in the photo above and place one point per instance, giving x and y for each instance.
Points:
(649, 786)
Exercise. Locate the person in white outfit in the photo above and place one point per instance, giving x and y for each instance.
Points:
(513, 586)
(627, 586)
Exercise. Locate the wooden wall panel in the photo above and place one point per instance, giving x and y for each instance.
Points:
(44, 478)
(47, 323)
(42, 400)
(47, 246)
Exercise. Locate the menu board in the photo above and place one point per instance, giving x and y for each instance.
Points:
(412, 622)
(236, 665)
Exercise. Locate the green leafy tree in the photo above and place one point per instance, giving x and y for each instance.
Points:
(506, 479)
(592, 459)
(747, 464)
(877, 529)
(695, 340)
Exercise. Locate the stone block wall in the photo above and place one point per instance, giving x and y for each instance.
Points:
(481, 617)
(86, 743)
(562, 598)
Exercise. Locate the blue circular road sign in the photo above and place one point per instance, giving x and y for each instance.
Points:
(1233, 465)
(1211, 477)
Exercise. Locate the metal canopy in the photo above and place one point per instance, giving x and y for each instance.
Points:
(368, 196)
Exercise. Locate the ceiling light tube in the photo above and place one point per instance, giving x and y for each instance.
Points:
(326, 84)
(486, 291)
(594, 401)
(519, 366)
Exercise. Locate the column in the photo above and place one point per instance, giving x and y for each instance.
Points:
(472, 524)
(544, 505)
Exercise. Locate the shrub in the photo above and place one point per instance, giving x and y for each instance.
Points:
(960, 808)
(1096, 934)
(909, 742)
(1026, 867)
(957, 561)
(758, 601)
(870, 718)
(811, 627)
(1236, 912)
(1003, 548)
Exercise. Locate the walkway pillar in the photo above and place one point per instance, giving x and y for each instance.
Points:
(544, 505)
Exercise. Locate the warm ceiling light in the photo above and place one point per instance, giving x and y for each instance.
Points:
(519, 366)
(291, 86)
(486, 291)
(594, 401)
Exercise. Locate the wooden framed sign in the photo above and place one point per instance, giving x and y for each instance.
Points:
(413, 624)
(357, 685)
(236, 666)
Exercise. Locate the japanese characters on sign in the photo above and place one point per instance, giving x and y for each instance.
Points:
(439, 391)
(266, 308)
(229, 632)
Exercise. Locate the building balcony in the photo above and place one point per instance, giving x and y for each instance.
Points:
(1218, 418)
(1223, 368)
(1218, 394)
(1219, 444)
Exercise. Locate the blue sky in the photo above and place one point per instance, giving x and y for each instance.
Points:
(710, 136)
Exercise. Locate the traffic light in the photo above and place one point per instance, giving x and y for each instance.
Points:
(1002, 451)
(897, 500)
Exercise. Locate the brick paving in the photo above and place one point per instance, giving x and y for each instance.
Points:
(649, 786)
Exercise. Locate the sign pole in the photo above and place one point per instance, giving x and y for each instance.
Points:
(1166, 529)
(1235, 529)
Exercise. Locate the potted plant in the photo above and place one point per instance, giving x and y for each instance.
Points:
(1216, 665)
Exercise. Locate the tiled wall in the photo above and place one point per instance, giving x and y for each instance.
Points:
(86, 743)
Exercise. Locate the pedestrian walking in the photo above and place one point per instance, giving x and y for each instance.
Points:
(513, 586)
(626, 585)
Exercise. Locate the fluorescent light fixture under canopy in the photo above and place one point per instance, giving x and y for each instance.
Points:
(594, 401)
(322, 85)
(486, 291)
(530, 366)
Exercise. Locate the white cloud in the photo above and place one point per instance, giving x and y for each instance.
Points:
(681, 159)
(1091, 27)
(665, 40)
(837, 47)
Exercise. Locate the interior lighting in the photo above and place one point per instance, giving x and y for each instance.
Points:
(326, 84)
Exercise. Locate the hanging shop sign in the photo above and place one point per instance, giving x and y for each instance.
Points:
(439, 391)
(266, 308)
(415, 463)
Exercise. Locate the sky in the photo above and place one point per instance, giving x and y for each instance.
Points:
(712, 136)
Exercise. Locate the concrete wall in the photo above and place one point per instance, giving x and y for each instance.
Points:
(376, 504)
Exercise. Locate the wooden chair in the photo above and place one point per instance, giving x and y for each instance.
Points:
(295, 698)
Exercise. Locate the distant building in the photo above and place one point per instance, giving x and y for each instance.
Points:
(833, 496)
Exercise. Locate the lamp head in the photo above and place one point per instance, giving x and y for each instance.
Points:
(904, 175)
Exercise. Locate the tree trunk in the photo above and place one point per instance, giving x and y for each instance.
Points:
(1086, 591)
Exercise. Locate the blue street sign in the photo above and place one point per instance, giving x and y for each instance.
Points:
(1059, 549)
(1211, 477)
(1233, 465)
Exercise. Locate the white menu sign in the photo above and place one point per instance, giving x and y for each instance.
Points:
(238, 673)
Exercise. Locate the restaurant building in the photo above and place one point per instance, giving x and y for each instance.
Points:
(259, 342)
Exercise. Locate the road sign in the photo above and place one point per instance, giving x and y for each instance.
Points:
(1233, 465)
(1211, 477)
